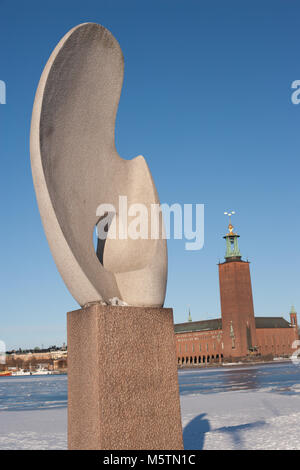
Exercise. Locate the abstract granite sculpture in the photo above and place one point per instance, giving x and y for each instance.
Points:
(122, 374)
(76, 168)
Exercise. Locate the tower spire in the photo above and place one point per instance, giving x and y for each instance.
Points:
(190, 316)
(293, 317)
(232, 246)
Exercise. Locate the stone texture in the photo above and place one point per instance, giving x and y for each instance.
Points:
(76, 168)
(122, 374)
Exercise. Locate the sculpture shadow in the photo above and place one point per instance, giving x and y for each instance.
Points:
(235, 432)
(194, 433)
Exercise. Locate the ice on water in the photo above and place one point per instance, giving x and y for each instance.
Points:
(241, 407)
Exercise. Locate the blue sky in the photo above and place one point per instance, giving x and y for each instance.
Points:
(207, 100)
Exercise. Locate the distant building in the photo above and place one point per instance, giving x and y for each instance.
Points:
(238, 335)
(52, 360)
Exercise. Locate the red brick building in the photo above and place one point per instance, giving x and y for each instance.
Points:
(238, 335)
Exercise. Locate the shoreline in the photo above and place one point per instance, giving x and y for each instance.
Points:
(234, 364)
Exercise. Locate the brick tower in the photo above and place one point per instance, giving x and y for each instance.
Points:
(238, 322)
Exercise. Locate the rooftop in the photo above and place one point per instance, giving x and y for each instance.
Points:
(271, 322)
(204, 325)
(216, 324)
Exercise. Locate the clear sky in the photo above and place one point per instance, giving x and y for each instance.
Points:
(207, 100)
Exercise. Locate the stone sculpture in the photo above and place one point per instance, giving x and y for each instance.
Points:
(76, 168)
(122, 374)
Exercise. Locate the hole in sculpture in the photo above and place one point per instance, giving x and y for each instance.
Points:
(100, 234)
(117, 248)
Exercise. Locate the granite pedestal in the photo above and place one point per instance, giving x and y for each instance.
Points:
(122, 379)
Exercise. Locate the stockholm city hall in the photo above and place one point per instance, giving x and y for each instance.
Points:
(238, 335)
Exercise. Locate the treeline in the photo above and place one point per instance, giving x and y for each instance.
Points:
(38, 350)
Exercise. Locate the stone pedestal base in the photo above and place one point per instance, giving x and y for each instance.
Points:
(122, 379)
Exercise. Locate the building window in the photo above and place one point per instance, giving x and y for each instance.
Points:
(199, 347)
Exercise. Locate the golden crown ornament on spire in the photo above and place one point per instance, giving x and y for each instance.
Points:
(230, 226)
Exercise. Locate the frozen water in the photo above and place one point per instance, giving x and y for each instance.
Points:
(33, 392)
(241, 407)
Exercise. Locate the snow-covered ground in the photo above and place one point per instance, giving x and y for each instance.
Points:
(246, 407)
(241, 420)
(34, 429)
(243, 408)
